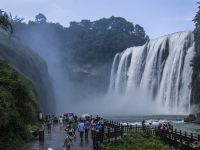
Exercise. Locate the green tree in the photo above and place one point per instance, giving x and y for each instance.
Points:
(5, 21)
(97, 42)
(196, 60)
(40, 18)
(18, 107)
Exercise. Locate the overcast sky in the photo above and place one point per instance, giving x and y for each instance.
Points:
(158, 17)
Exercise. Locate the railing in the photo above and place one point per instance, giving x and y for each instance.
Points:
(113, 131)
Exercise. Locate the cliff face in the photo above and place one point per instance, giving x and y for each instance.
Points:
(31, 65)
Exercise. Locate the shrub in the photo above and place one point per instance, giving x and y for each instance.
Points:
(18, 107)
(136, 141)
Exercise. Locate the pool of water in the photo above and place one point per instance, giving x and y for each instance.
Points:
(175, 120)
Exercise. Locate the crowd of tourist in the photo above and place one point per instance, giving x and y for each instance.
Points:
(165, 128)
(73, 124)
(94, 126)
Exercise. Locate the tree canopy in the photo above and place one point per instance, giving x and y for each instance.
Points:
(196, 60)
(97, 42)
(93, 42)
(5, 22)
(40, 18)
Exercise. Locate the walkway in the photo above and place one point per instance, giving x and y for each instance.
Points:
(54, 141)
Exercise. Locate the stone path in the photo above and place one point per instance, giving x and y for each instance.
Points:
(55, 139)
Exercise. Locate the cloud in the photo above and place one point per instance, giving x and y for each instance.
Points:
(188, 18)
(178, 19)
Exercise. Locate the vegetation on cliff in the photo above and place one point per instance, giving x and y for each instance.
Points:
(5, 21)
(27, 62)
(97, 42)
(93, 42)
(18, 107)
(196, 61)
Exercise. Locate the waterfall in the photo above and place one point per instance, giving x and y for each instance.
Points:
(160, 68)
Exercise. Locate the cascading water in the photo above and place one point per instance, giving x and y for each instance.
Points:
(160, 68)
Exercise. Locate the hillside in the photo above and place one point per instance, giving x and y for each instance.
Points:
(18, 107)
(30, 65)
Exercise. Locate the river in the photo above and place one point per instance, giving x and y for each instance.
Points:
(176, 120)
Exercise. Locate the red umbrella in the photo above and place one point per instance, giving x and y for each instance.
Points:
(65, 114)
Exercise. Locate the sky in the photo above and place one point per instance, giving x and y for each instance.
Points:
(158, 17)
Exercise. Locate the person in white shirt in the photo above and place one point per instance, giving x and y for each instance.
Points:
(61, 120)
(81, 129)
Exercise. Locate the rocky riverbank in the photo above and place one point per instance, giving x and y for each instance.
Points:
(193, 118)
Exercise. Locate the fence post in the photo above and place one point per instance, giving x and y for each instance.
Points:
(180, 136)
(175, 134)
(109, 134)
(115, 130)
(122, 130)
(41, 135)
(191, 137)
(186, 138)
(127, 129)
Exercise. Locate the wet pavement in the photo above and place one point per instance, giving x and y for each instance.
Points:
(55, 140)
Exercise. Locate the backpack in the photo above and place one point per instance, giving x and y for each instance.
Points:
(87, 125)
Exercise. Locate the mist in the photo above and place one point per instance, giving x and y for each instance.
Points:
(75, 88)
(117, 104)
(79, 63)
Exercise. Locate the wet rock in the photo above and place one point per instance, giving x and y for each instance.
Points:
(190, 118)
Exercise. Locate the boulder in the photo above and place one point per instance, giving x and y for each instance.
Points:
(190, 118)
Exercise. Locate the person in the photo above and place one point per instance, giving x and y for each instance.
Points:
(170, 129)
(143, 125)
(61, 120)
(87, 127)
(81, 129)
(97, 118)
(76, 118)
(159, 129)
(99, 131)
(46, 118)
(68, 140)
(74, 126)
(93, 128)
(70, 130)
(49, 121)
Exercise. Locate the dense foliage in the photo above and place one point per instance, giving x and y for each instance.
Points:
(18, 107)
(83, 42)
(5, 22)
(136, 141)
(97, 42)
(196, 61)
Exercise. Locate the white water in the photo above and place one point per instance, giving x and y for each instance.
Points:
(160, 70)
